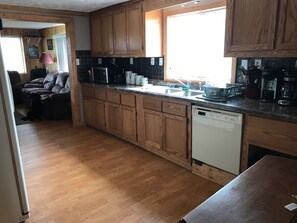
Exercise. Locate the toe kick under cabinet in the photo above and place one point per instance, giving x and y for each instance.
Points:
(158, 124)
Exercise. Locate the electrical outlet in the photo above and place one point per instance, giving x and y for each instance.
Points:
(131, 60)
(244, 63)
(152, 61)
(258, 62)
(77, 61)
(113, 60)
(161, 61)
(99, 60)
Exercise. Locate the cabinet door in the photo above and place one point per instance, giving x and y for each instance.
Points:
(129, 122)
(96, 40)
(113, 119)
(99, 114)
(107, 34)
(175, 136)
(119, 31)
(287, 26)
(250, 25)
(152, 129)
(89, 110)
(135, 22)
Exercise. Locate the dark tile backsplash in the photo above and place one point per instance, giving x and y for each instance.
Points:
(141, 65)
(272, 63)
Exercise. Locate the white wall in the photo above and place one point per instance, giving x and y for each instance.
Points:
(82, 33)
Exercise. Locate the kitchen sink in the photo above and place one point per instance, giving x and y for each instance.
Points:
(178, 92)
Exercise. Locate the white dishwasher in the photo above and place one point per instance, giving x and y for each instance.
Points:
(216, 138)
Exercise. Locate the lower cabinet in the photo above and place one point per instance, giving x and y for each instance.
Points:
(113, 116)
(152, 127)
(99, 114)
(89, 110)
(175, 136)
(160, 125)
(128, 115)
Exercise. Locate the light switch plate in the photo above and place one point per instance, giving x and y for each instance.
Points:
(99, 60)
(131, 60)
(152, 61)
(258, 62)
(244, 63)
(160, 61)
(77, 61)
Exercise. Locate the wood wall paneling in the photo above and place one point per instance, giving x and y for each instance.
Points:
(48, 34)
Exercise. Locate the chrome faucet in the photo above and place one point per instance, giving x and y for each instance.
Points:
(186, 86)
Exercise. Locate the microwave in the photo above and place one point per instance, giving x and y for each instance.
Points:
(107, 75)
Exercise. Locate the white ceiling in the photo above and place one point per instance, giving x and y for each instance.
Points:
(71, 5)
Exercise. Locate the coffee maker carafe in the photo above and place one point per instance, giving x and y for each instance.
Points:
(289, 88)
(271, 85)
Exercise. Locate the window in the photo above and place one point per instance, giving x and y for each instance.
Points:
(61, 52)
(13, 54)
(195, 46)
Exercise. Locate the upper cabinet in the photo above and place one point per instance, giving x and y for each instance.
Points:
(261, 28)
(287, 27)
(134, 18)
(125, 30)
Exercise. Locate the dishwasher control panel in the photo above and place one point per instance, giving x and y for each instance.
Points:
(217, 115)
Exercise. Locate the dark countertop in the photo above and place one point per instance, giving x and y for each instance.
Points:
(239, 104)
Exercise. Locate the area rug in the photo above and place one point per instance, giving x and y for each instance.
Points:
(19, 119)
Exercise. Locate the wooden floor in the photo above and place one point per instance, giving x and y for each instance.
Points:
(83, 175)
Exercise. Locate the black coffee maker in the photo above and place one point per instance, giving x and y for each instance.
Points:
(289, 88)
(271, 85)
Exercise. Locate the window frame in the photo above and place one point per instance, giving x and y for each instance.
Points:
(65, 56)
(180, 10)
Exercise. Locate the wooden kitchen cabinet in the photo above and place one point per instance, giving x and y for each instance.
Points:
(96, 40)
(99, 114)
(175, 136)
(119, 31)
(152, 127)
(89, 110)
(265, 28)
(128, 122)
(107, 33)
(287, 31)
(135, 20)
(250, 24)
(113, 118)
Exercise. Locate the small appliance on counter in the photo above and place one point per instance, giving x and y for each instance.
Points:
(107, 75)
(271, 85)
(289, 88)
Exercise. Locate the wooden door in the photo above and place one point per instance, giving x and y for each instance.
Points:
(107, 33)
(99, 114)
(135, 20)
(113, 118)
(175, 136)
(250, 25)
(152, 129)
(119, 31)
(287, 25)
(129, 122)
(89, 110)
(96, 40)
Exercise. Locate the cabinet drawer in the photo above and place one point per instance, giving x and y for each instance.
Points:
(100, 94)
(128, 99)
(88, 91)
(114, 97)
(151, 104)
(175, 109)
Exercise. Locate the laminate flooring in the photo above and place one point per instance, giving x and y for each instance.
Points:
(79, 174)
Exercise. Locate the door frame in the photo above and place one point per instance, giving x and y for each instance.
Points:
(71, 53)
